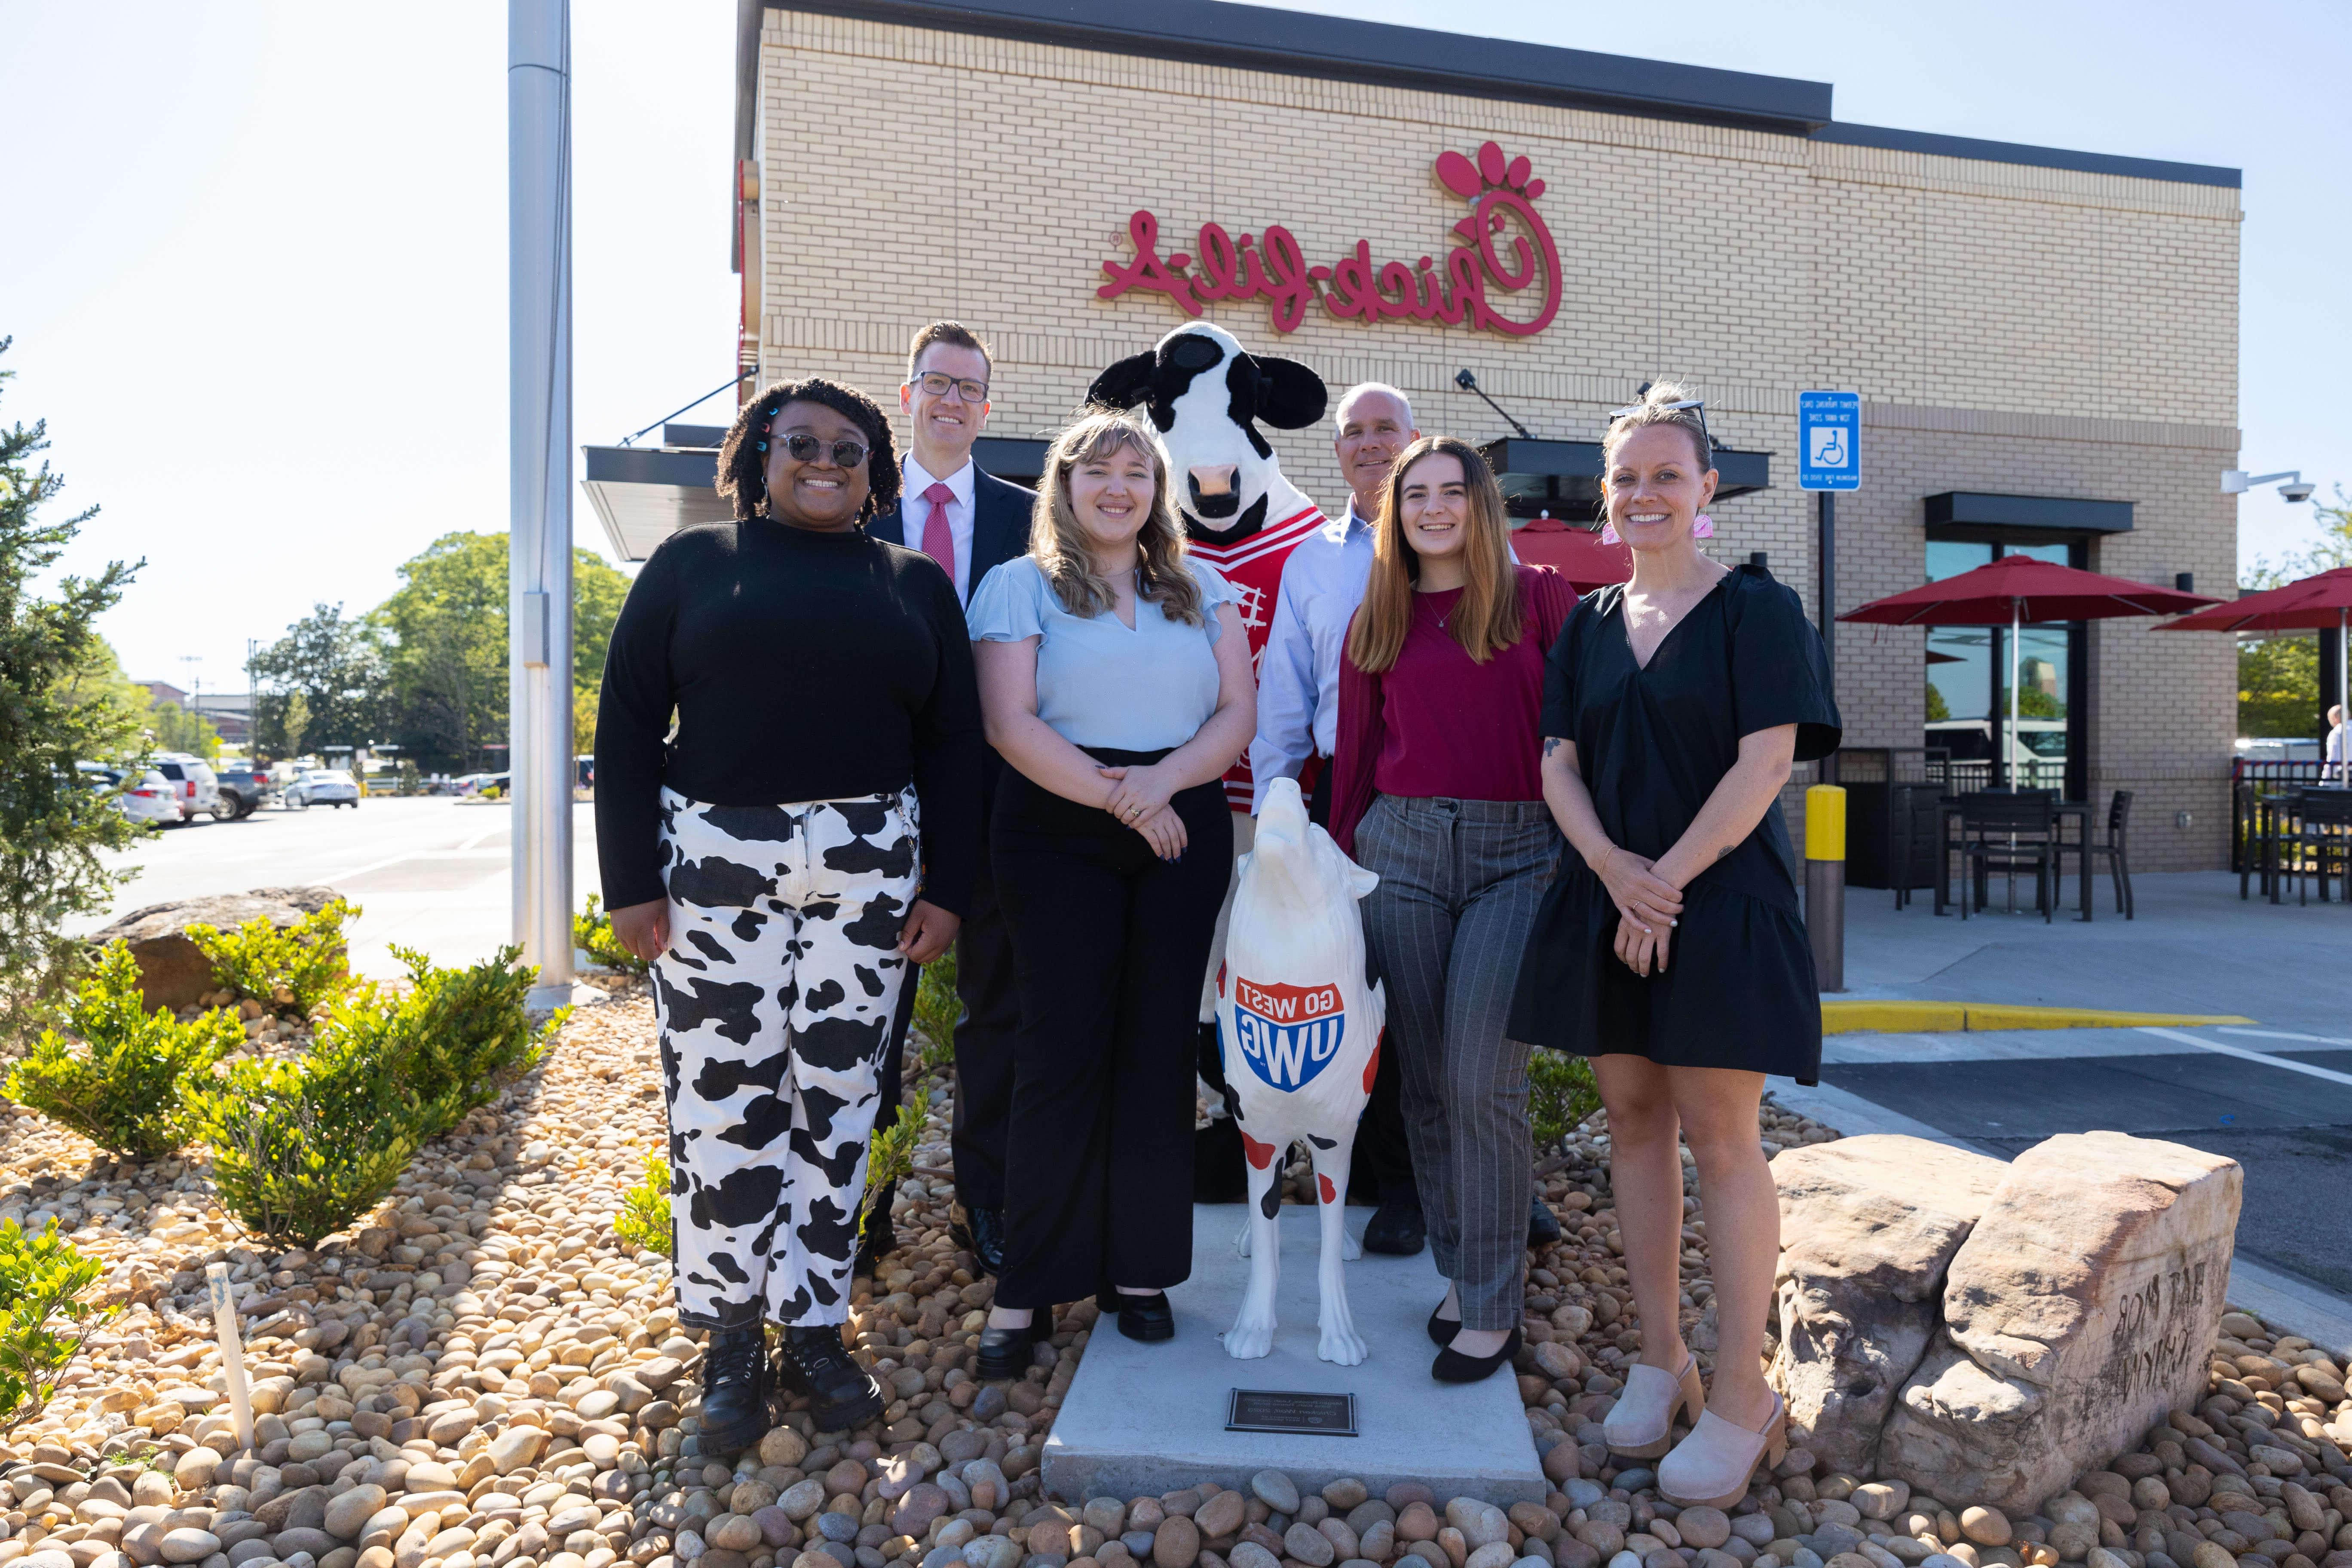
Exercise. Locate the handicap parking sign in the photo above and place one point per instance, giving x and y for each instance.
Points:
(1829, 431)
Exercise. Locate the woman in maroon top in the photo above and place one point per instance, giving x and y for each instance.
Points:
(1438, 787)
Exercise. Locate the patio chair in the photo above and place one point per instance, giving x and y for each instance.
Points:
(2113, 852)
(1914, 832)
(2323, 842)
(2009, 833)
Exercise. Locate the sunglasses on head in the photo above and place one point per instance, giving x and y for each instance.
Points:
(805, 448)
(1698, 404)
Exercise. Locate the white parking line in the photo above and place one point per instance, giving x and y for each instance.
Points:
(2282, 1035)
(2241, 1051)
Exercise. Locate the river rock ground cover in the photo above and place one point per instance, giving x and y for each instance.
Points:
(482, 1375)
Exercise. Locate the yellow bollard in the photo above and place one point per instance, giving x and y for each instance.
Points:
(1825, 883)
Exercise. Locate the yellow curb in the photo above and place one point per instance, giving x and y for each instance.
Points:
(1860, 1017)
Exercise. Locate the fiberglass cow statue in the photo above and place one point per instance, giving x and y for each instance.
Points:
(1301, 1035)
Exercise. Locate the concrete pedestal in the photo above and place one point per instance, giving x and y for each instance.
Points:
(1150, 1418)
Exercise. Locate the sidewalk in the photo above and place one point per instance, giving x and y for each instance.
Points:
(2193, 947)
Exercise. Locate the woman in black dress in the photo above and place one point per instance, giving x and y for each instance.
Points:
(1671, 951)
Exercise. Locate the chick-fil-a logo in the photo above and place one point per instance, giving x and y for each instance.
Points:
(1504, 248)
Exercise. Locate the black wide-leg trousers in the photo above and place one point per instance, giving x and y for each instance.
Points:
(1109, 944)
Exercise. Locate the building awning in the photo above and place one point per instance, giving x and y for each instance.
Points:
(1562, 478)
(644, 494)
(2028, 515)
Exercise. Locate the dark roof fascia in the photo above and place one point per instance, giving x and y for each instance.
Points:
(748, 15)
(1737, 472)
(1938, 146)
(2062, 514)
(1340, 48)
(651, 466)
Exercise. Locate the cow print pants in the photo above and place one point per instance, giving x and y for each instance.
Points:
(774, 1001)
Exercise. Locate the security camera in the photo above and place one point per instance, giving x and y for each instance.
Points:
(2297, 491)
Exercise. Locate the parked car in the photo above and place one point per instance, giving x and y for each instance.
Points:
(199, 789)
(151, 797)
(250, 787)
(323, 786)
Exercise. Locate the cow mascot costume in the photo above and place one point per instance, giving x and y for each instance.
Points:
(1207, 395)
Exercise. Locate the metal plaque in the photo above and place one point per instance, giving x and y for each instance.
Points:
(1285, 1410)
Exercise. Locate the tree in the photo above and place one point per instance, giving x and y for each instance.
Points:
(55, 711)
(446, 628)
(336, 666)
(2278, 686)
(177, 730)
(2333, 549)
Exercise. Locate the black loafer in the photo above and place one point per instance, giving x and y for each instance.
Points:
(734, 1389)
(841, 1392)
(1442, 1330)
(1452, 1366)
(1006, 1353)
(1149, 1319)
(1396, 1228)
(987, 1233)
(1543, 1225)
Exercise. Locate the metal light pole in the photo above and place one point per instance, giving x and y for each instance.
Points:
(538, 549)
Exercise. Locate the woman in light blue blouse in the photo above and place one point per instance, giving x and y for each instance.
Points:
(1114, 677)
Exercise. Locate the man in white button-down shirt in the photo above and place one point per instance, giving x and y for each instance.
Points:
(1297, 721)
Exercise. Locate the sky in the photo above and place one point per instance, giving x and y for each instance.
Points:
(256, 263)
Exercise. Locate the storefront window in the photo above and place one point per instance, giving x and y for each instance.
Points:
(1967, 683)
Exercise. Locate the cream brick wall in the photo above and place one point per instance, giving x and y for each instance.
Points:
(2011, 328)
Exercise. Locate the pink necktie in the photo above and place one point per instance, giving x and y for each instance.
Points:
(938, 543)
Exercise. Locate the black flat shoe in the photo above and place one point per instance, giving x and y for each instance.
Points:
(841, 1392)
(1442, 1330)
(1452, 1366)
(1396, 1228)
(988, 1239)
(1543, 1225)
(1006, 1353)
(734, 1389)
(1149, 1319)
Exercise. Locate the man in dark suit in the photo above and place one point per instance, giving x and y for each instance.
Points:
(970, 523)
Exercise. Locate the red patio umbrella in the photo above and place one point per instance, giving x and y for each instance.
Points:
(2311, 603)
(2016, 589)
(1574, 553)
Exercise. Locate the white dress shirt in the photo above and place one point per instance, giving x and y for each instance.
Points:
(915, 511)
(2335, 744)
(1298, 678)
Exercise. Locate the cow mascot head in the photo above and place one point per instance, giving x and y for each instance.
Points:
(1208, 396)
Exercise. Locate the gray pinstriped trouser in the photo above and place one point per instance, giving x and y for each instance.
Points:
(1460, 880)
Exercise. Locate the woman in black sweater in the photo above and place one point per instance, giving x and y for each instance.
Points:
(786, 857)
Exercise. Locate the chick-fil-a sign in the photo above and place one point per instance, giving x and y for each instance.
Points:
(1505, 252)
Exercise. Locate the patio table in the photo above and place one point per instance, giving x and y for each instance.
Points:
(2062, 811)
(2275, 816)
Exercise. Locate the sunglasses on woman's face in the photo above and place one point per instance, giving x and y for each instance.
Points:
(805, 448)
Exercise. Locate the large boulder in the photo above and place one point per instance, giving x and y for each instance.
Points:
(2078, 1313)
(1868, 1225)
(172, 971)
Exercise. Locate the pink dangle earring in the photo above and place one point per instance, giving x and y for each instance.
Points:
(1703, 527)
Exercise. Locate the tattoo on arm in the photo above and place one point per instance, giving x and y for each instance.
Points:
(1725, 850)
(1551, 743)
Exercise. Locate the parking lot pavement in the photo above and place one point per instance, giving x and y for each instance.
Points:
(428, 871)
(2277, 1102)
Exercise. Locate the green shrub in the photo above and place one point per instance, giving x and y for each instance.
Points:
(591, 933)
(456, 1037)
(1561, 1093)
(890, 1158)
(289, 971)
(302, 1149)
(42, 1318)
(936, 1008)
(124, 1081)
(645, 1217)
